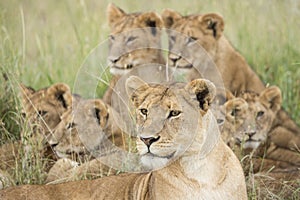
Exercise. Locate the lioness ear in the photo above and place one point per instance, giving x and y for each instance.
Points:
(205, 92)
(169, 17)
(271, 97)
(114, 14)
(101, 112)
(62, 93)
(212, 24)
(152, 20)
(133, 83)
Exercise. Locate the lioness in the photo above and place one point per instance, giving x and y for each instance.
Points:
(206, 30)
(134, 40)
(204, 168)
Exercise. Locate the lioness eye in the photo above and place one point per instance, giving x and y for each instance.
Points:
(131, 38)
(144, 111)
(260, 113)
(174, 113)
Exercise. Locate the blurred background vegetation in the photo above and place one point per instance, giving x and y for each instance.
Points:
(44, 42)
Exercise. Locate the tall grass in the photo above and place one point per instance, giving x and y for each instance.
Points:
(44, 42)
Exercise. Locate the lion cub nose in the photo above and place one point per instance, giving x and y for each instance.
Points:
(150, 140)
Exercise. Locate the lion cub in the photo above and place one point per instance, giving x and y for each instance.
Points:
(248, 124)
(135, 39)
(177, 137)
(76, 146)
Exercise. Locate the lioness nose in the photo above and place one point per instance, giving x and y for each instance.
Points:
(150, 140)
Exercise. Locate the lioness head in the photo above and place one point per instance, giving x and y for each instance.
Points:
(134, 39)
(187, 34)
(168, 117)
(83, 129)
(249, 117)
(43, 108)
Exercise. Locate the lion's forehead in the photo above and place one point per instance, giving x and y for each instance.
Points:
(127, 23)
(168, 97)
(188, 26)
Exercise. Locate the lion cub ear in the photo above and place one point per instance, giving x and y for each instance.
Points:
(101, 112)
(152, 20)
(61, 93)
(205, 92)
(26, 92)
(271, 97)
(212, 24)
(169, 17)
(114, 14)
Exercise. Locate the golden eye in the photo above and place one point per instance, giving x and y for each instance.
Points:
(174, 113)
(144, 111)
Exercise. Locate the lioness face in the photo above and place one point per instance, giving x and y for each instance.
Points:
(43, 108)
(164, 127)
(134, 39)
(249, 117)
(191, 37)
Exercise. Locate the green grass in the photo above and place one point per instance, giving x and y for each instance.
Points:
(44, 42)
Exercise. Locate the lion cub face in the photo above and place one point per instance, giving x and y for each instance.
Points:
(189, 34)
(249, 117)
(165, 128)
(80, 130)
(134, 39)
(43, 108)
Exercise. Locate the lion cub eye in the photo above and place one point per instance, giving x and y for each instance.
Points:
(111, 37)
(172, 38)
(130, 39)
(144, 111)
(191, 39)
(174, 113)
(42, 113)
(234, 112)
(70, 125)
(260, 114)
